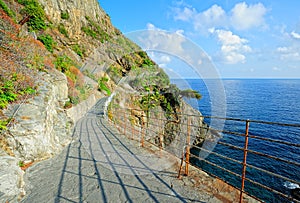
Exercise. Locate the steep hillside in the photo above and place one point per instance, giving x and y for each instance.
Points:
(56, 59)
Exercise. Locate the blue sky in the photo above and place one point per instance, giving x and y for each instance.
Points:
(243, 39)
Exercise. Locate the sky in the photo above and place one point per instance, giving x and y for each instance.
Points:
(242, 39)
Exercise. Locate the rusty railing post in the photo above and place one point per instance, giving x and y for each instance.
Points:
(180, 167)
(244, 160)
(142, 137)
(125, 122)
(160, 132)
(131, 122)
(187, 154)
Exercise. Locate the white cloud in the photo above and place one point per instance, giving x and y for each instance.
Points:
(158, 39)
(275, 68)
(212, 17)
(241, 17)
(291, 53)
(244, 17)
(295, 35)
(184, 14)
(233, 47)
(161, 59)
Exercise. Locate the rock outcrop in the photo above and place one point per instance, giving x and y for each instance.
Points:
(41, 127)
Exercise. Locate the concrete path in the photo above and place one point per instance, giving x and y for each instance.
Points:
(101, 165)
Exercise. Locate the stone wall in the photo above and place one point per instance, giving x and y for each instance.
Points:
(78, 111)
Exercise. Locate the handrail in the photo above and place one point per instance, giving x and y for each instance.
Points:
(156, 128)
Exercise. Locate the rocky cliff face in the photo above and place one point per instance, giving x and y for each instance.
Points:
(41, 127)
(81, 31)
(77, 12)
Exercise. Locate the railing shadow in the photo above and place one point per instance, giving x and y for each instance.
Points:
(98, 168)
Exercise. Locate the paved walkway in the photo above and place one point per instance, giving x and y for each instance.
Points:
(101, 165)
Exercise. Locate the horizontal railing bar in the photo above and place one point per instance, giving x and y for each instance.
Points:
(274, 157)
(213, 164)
(217, 154)
(274, 140)
(270, 189)
(229, 118)
(230, 145)
(208, 172)
(273, 174)
(180, 120)
(240, 134)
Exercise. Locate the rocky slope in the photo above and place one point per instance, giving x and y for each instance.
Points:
(76, 56)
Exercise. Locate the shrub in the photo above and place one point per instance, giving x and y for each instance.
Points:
(76, 48)
(64, 15)
(102, 85)
(63, 63)
(94, 30)
(3, 124)
(189, 93)
(36, 12)
(47, 40)
(62, 30)
(7, 10)
(89, 32)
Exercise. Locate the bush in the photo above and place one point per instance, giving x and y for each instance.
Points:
(189, 93)
(64, 15)
(36, 12)
(76, 48)
(7, 10)
(7, 94)
(102, 85)
(47, 40)
(62, 30)
(94, 30)
(89, 32)
(63, 63)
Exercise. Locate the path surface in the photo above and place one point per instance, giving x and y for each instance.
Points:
(101, 165)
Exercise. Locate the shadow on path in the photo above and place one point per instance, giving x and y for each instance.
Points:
(103, 166)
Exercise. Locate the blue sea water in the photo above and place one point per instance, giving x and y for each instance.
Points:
(273, 100)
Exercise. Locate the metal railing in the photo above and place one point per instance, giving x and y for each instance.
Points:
(246, 146)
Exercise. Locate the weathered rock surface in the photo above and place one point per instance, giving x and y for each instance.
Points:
(41, 127)
(11, 178)
(77, 11)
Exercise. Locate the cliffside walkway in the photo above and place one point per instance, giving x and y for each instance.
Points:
(101, 165)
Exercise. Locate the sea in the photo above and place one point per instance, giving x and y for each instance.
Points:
(270, 100)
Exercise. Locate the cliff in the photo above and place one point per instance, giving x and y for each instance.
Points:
(57, 59)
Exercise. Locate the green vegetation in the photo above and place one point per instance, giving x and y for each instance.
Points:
(152, 98)
(189, 93)
(10, 91)
(102, 85)
(114, 72)
(7, 10)
(63, 30)
(78, 50)
(147, 62)
(3, 124)
(7, 94)
(65, 15)
(89, 74)
(95, 31)
(63, 63)
(21, 164)
(48, 41)
(89, 32)
(36, 12)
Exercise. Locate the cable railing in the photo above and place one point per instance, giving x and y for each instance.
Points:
(247, 147)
